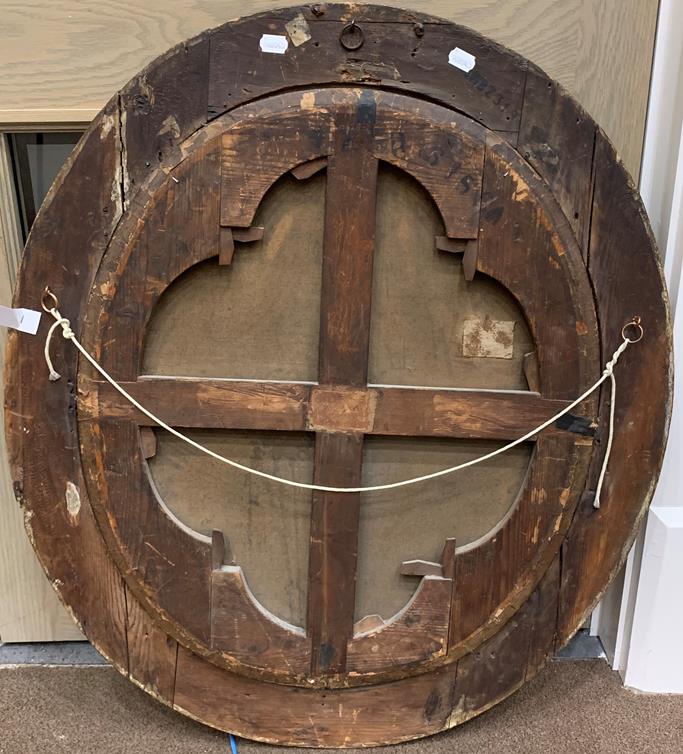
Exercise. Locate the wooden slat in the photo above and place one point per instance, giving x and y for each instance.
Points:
(627, 279)
(333, 550)
(218, 404)
(348, 248)
(404, 412)
(557, 138)
(521, 217)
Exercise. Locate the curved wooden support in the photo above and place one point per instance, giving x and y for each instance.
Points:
(417, 633)
(244, 629)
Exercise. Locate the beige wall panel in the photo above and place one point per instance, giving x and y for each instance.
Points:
(61, 61)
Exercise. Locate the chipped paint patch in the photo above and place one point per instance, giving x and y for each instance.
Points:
(307, 101)
(73, 500)
(170, 126)
(106, 124)
(581, 328)
(488, 338)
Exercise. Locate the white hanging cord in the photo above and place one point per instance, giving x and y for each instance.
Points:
(608, 373)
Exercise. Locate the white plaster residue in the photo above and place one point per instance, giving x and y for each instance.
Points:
(73, 499)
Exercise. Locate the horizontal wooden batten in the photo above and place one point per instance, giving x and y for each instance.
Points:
(410, 412)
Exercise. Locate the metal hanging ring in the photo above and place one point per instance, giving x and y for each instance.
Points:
(351, 36)
(46, 297)
(633, 325)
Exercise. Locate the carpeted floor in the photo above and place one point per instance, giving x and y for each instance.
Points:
(572, 707)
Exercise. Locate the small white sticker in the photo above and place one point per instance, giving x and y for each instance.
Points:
(461, 59)
(24, 320)
(298, 30)
(276, 43)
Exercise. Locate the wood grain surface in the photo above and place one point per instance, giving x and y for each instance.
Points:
(589, 47)
(133, 571)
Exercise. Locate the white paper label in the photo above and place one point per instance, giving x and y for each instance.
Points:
(461, 59)
(276, 43)
(24, 320)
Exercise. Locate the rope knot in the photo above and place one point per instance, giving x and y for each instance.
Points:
(67, 332)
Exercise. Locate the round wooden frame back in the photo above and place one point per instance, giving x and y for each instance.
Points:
(149, 133)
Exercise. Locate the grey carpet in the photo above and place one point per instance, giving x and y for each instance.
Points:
(570, 708)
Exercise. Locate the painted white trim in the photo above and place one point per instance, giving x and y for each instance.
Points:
(655, 658)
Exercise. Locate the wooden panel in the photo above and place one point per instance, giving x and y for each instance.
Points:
(160, 106)
(152, 653)
(589, 47)
(522, 216)
(560, 148)
(492, 94)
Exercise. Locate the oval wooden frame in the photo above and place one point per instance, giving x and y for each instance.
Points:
(125, 156)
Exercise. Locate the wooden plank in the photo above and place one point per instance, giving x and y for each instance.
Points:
(502, 664)
(348, 246)
(346, 296)
(196, 402)
(333, 550)
(627, 278)
(66, 535)
(492, 93)
(557, 137)
(269, 712)
(522, 216)
(152, 654)
(160, 108)
(227, 404)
